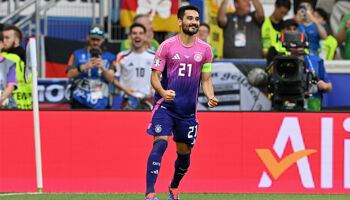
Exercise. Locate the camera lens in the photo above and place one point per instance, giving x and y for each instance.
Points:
(287, 69)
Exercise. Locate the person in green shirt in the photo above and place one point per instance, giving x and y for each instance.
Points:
(344, 35)
(13, 37)
(150, 41)
(271, 27)
(203, 33)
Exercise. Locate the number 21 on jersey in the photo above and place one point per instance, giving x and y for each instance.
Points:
(182, 69)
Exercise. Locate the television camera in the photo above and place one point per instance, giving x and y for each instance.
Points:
(286, 78)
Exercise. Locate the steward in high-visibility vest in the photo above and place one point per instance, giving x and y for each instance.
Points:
(23, 94)
(328, 47)
(270, 29)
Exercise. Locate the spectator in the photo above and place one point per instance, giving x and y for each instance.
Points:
(271, 27)
(308, 25)
(150, 42)
(297, 2)
(315, 63)
(134, 70)
(203, 33)
(242, 29)
(289, 25)
(91, 69)
(13, 37)
(344, 35)
(8, 81)
(330, 44)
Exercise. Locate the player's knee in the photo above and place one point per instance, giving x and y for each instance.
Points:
(183, 148)
(159, 146)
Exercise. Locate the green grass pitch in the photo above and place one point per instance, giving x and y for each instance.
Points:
(164, 196)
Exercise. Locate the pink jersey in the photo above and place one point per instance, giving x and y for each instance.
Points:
(181, 67)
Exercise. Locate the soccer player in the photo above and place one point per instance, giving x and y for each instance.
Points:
(134, 67)
(181, 63)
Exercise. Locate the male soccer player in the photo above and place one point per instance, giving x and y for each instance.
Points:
(180, 64)
(134, 67)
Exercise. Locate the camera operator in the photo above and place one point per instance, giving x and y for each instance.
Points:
(91, 70)
(313, 64)
(310, 26)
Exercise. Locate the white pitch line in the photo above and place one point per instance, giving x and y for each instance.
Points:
(14, 194)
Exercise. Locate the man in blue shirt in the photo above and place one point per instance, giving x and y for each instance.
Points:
(310, 26)
(91, 69)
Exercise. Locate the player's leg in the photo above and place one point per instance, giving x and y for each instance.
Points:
(153, 164)
(182, 163)
(185, 134)
(161, 128)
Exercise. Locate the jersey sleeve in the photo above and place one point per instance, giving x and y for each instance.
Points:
(11, 76)
(118, 67)
(160, 57)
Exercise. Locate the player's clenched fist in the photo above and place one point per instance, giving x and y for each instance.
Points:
(212, 102)
(168, 95)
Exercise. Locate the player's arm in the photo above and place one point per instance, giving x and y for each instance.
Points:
(128, 91)
(168, 95)
(207, 85)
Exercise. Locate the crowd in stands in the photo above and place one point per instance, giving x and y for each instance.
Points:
(247, 35)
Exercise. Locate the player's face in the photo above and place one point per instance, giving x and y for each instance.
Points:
(137, 36)
(203, 33)
(10, 39)
(190, 22)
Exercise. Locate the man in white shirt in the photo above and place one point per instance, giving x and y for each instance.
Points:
(134, 69)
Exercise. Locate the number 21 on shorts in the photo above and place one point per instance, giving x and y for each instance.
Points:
(192, 133)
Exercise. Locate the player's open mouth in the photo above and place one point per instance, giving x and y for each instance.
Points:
(137, 40)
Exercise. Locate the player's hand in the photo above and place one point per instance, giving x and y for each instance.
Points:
(168, 95)
(212, 102)
(128, 91)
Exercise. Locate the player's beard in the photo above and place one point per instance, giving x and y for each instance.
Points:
(186, 29)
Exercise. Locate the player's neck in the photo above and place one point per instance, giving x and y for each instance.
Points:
(139, 50)
(187, 40)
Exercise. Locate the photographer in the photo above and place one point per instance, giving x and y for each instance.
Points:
(312, 64)
(91, 70)
(310, 26)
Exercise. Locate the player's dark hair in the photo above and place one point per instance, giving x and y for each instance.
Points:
(181, 11)
(283, 3)
(18, 31)
(322, 13)
(206, 25)
(1, 36)
(137, 25)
